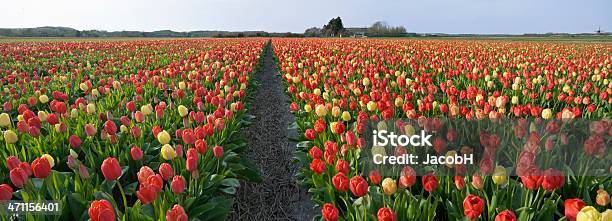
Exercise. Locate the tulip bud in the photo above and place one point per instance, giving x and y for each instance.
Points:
(477, 182)
(602, 198)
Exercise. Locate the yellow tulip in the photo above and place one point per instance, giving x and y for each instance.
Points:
(5, 120)
(163, 137)
(182, 110)
(409, 130)
(83, 86)
(320, 110)
(10, 136)
(500, 176)
(43, 99)
(123, 129)
(74, 113)
(91, 108)
(371, 106)
(399, 101)
(307, 108)
(168, 152)
(547, 113)
(346, 116)
(606, 215)
(389, 186)
(42, 115)
(146, 109)
(588, 213)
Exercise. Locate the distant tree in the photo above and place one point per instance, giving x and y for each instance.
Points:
(313, 32)
(334, 27)
(382, 29)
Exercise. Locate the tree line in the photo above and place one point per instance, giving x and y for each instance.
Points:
(71, 32)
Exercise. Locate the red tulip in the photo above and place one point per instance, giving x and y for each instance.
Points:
(201, 146)
(111, 169)
(101, 210)
(110, 127)
(310, 134)
(572, 207)
(130, 106)
(358, 186)
(386, 214)
(6, 192)
(430, 183)
(340, 182)
(12, 162)
(178, 184)
(505, 215)
(41, 167)
(177, 213)
(146, 193)
(18, 177)
(531, 182)
(459, 182)
(472, 206)
(75, 141)
(375, 177)
(342, 166)
(317, 166)
(136, 153)
(192, 159)
(144, 173)
(329, 212)
(407, 177)
(218, 151)
(315, 152)
(552, 179)
(166, 171)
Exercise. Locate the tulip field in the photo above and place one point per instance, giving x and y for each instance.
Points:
(125, 130)
(540, 92)
(142, 129)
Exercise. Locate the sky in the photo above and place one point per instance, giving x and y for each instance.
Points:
(424, 16)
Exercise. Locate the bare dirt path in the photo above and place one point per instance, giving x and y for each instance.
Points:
(278, 197)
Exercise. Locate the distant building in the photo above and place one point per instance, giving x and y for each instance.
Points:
(356, 32)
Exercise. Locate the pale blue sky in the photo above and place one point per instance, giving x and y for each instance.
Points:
(426, 16)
